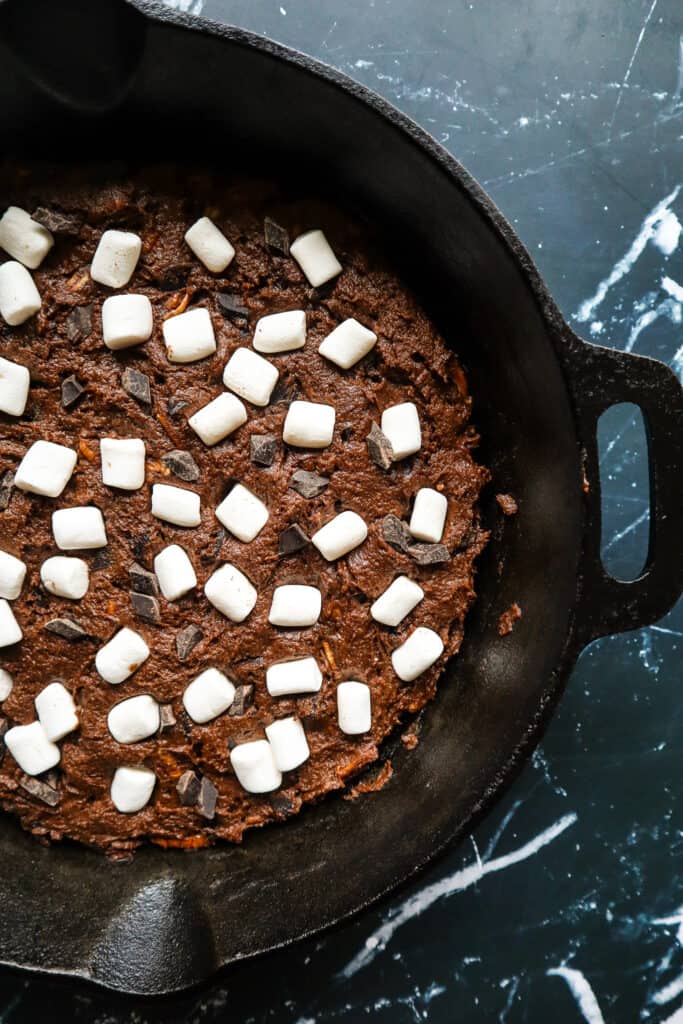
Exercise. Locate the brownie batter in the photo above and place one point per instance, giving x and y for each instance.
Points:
(81, 392)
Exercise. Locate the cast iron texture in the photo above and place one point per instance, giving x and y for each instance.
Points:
(168, 920)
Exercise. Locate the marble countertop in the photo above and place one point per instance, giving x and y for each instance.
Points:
(569, 897)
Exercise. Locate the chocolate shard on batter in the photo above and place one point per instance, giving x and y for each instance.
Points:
(263, 449)
(172, 278)
(379, 447)
(186, 641)
(137, 385)
(6, 485)
(174, 405)
(308, 485)
(181, 465)
(429, 554)
(166, 717)
(146, 607)
(72, 390)
(58, 222)
(231, 307)
(142, 581)
(282, 805)
(396, 533)
(40, 790)
(68, 629)
(277, 239)
(102, 559)
(79, 323)
(188, 788)
(284, 392)
(242, 701)
(291, 540)
(207, 798)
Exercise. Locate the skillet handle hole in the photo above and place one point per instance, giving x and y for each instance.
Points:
(625, 491)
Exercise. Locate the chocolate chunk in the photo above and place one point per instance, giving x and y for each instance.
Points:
(188, 788)
(146, 607)
(220, 537)
(263, 449)
(231, 306)
(323, 291)
(282, 805)
(79, 323)
(102, 559)
(72, 390)
(291, 540)
(186, 641)
(166, 717)
(242, 701)
(174, 405)
(429, 554)
(507, 503)
(283, 393)
(6, 485)
(347, 433)
(277, 239)
(379, 447)
(181, 464)
(170, 279)
(68, 629)
(137, 385)
(57, 222)
(206, 801)
(396, 533)
(138, 545)
(40, 790)
(308, 485)
(142, 581)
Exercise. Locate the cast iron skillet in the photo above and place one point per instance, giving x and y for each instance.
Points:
(110, 75)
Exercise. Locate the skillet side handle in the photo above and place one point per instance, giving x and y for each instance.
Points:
(600, 378)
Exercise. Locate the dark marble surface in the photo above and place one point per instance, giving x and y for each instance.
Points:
(569, 898)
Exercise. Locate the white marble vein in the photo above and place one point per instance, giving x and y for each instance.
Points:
(580, 988)
(624, 82)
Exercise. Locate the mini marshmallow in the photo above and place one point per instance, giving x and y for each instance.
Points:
(6, 684)
(132, 788)
(79, 528)
(401, 424)
(417, 654)
(288, 742)
(209, 245)
(281, 332)
(354, 708)
(242, 513)
(116, 258)
(208, 696)
(176, 505)
(174, 572)
(19, 297)
(189, 336)
(15, 381)
(343, 533)
(134, 719)
(299, 676)
(397, 601)
(254, 766)
(65, 577)
(309, 425)
(126, 320)
(218, 419)
(314, 255)
(348, 343)
(31, 749)
(24, 238)
(12, 575)
(56, 711)
(429, 515)
(250, 376)
(230, 592)
(46, 469)
(123, 462)
(121, 656)
(295, 605)
(10, 630)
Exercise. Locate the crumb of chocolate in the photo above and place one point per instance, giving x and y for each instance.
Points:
(137, 385)
(409, 740)
(206, 799)
(186, 641)
(174, 405)
(292, 539)
(507, 504)
(507, 620)
(308, 485)
(79, 323)
(263, 449)
(6, 485)
(72, 390)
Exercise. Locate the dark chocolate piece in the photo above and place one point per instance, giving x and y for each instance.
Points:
(292, 539)
(242, 701)
(68, 629)
(72, 390)
(206, 801)
(283, 393)
(174, 405)
(429, 554)
(137, 385)
(40, 790)
(138, 545)
(188, 788)
(146, 607)
(220, 537)
(6, 485)
(346, 433)
(379, 447)
(263, 449)
(277, 239)
(58, 222)
(186, 641)
(170, 279)
(323, 291)
(181, 464)
(142, 581)
(102, 559)
(282, 805)
(79, 323)
(308, 485)
(396, 533)
(166, 717)
(231, 306)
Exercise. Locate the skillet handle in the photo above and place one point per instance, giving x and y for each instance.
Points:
(600, 378)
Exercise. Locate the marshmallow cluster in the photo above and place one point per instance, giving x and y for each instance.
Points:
(132, 788)
(15, 381)
(126, 320)
(210, 245)
(295, 605)
(116, 258)
(175, 572)
(242, 513)
(121, 656)
(348, 344)
(208, 696)
(56, 711)
(231, 593)
(281, 332)
(255, 768)
(341, 535)
(45, 469)
(218, 419)
(302, 675)
(416, 654)
(10, 630)
(309, 425)
(134, 719)
(123, 463)
(12, 575)
(79, 528)
(176, 505)
(314, 255)
(19, 297)
(250, 376)
(189, 336)
(65, 577)
(23, 238)
(397, 601)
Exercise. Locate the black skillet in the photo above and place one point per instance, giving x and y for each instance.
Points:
(79, 77)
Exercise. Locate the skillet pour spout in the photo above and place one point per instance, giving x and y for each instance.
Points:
(538, 391)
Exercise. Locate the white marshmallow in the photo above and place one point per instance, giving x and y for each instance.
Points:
(401, 424)
(354, 708)
(417, 654)
(46, 469)
(56, 711)
(299, 676)
(218, 419)
(295, 605)
(281, 332)
(121, 656)
(254, 766)
(176, 505)
(250, 376)
(31, 749)
(314, 255)
(189, 336)
(134, 719)
(6, 684)
(348, 343)
(208, 696)
(242, 513)
(12, 575)
(288, 742)
(65, 577)
(116, 258)
(123, 462)
(132, 788)
(23, 238)
(19, 297)
(79, 528)
(397, 601)
(429, 515)
(15, 381)
(343, 533)
(174, 572)
(210, 245)
(10, 630)
(126, 320)
(230, 592)
(309, 425)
